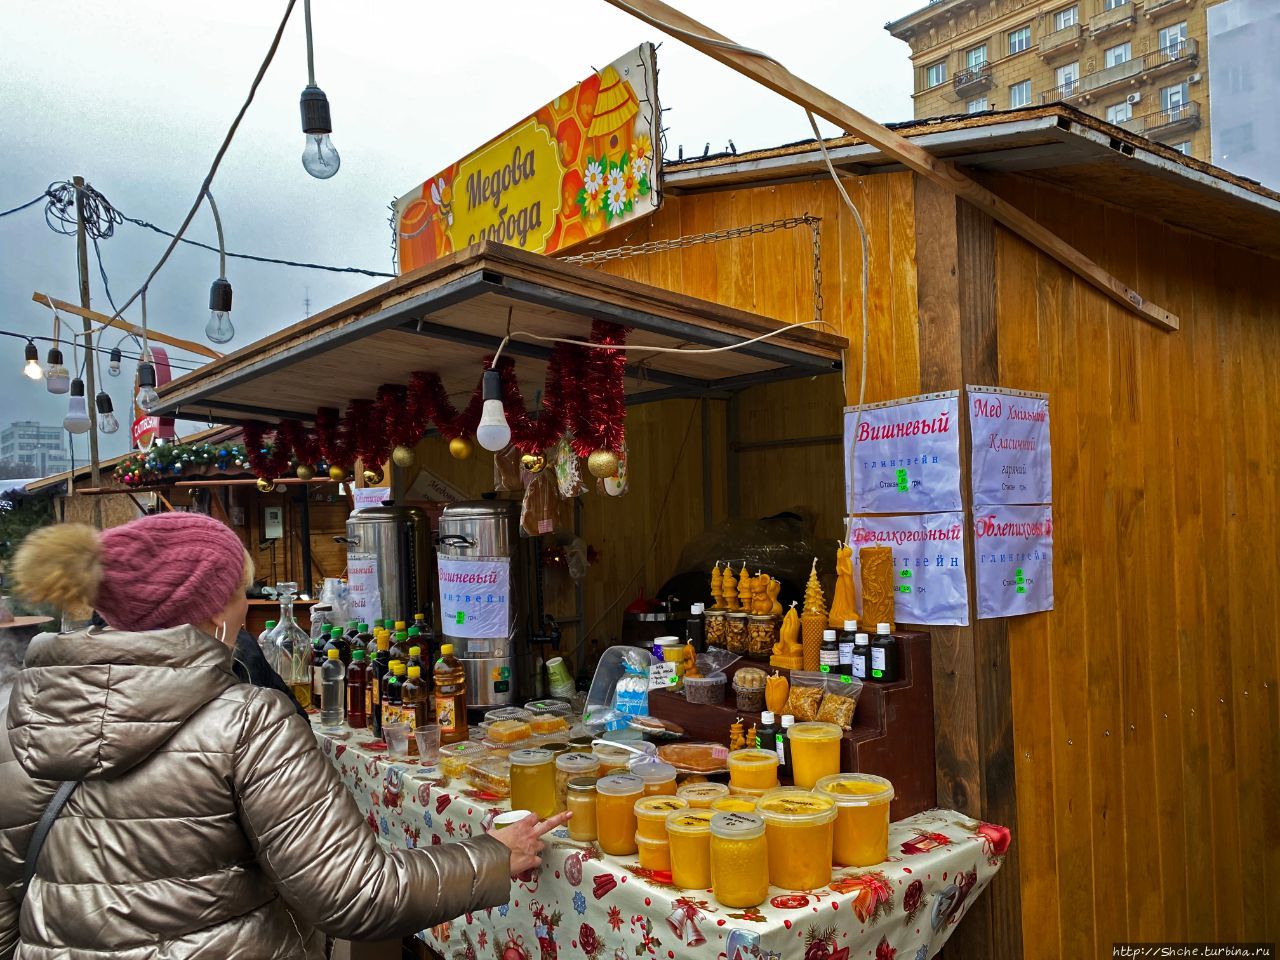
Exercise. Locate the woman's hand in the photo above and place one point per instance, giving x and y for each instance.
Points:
(524, 840)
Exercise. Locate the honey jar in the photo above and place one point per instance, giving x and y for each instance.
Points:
(799, 826)
(533, 782)
(651, 815)
(580, 800)
(753, 769)
(659, 777)
(862, 817)
(616, 796)
(739, 857)
(815, 752)
(689, 835)
(700, 795)
(655, 855)
(734, 804)
(569, 766)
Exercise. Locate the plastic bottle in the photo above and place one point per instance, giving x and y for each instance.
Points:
(333, 694)
(414, 694)
(696, 627)
(400, 646)
(861, 656)
(426, 639)
(846, 639)
(338, 641)
(829, 653)
(392, 697)
(358, 691)
(451, 697)
(363, 641)
(767, 732)
(886, 656)
(317, 664)
(415, 658)
(262, 637)
(381, 667)
(784, 746)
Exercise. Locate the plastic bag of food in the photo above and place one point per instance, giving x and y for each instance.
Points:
(567, 468)
(829, 697)
(506, 470)
(716, 660)
(620, 688)
(538, 509)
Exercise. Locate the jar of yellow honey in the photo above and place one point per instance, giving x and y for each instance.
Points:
(659, 777)
(533, 782)
(651, 815)
(655, 854)
(739, 860)
(701, 795)
(862, 817)
(616, 796)
(799, 826)
(580, 800)
(689, 834)
(753, 769)
(734, 804)
(569, 766)
(815, 752)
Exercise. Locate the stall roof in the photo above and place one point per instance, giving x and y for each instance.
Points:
(448, 315)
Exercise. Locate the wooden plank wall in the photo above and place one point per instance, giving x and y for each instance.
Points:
(1145, 711)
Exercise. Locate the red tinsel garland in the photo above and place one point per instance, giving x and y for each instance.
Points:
(606, 393)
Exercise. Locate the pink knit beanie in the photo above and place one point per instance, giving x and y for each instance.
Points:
(166, 570)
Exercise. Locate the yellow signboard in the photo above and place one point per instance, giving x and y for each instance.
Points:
(582, 164)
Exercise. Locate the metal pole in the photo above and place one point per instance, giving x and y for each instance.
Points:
(91, 389)
(306, 541)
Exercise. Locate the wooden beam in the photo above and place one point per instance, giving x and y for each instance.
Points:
(777, 78)
(189, 345)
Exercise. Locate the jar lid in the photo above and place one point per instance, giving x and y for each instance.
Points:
(657, 807)
(577, 763)
(760, 616)
(689, 822)
(619, 785)
(815, 730)
(703, 792)
(555, 747)
(796, 807)
(530, 757)
(734, 804)
(581, 785)
(751, 757)
(737, 826)
(652, 771)
(668, 641)
(738, 613)
(715, 613)
(855, 789)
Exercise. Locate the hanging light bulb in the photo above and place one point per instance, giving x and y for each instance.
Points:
(113, 367)
(32, 369)
(493, 433)
(219, 328)
(147, 397)
(77, 418)
(107, 422)
(319, 157)
(56, 376)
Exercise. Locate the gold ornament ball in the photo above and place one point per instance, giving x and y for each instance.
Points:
(265, 485)
(305, 472)
(337, 473)
(460, 448)
(533, 462)
(603, 463)
(402, 456)
(373, 477)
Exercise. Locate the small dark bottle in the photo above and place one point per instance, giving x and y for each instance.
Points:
(381, 670)
(767, 732)
(317, 662)
(886, 656)
(784, 747)
(338, 641)
(829, 654)
(861, 657)
(358, 692)
(846, 639)
(392, 689)
(696, 627)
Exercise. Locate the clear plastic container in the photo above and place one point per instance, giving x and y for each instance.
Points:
(491, 775)
(705, 689)
(739, 860)
(613, 758)
(862, 817)
(800, 828)
(734, 804)
(542, 707)
(689, 835)
(454, 757)
(659, 777)
(570, 766)
(397, 737)
(651, 815)
(619, 689)
(655, 855)
(616, 796)
(815, 752)
(580, 800)
(507, 713)
(702, 795)
(533, 781)
(753, 769)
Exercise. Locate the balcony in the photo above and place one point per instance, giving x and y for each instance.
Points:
(1159, 8)
(973, 81)
(1112, 20)
(1184, 53)
(1178, 119)
(1060, 42)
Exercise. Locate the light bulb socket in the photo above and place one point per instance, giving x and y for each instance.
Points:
(54, 357)
(103, 402)
(30, 352)
(315, 111)
(116, 356)
(77, 387)
(491, 385)
(220, 295)
(146, 375)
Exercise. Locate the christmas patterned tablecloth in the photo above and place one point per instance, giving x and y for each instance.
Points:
(585, 905)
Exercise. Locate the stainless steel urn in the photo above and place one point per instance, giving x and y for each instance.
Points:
(388, 562)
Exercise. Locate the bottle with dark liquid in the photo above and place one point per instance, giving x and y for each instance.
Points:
(358, 692)
(392, 702)
(846, 640)
(400, 646)
(829, 653)
(886, 656)
(451, 697)
(381, 669)
(338, 641)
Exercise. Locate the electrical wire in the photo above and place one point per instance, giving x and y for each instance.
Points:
(20, 207)
(76, 335)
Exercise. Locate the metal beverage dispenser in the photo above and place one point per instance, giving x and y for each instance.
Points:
(388, 562)
(481, 610)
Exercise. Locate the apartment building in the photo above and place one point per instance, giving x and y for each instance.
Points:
(1141, 64)
(33, 445)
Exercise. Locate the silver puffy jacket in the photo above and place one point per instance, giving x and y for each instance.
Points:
(207, 825)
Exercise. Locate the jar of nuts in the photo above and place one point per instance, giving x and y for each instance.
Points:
(736, 634)
(715, 623)
(762, 634)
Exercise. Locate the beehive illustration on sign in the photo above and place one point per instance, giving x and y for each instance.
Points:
(613, 126)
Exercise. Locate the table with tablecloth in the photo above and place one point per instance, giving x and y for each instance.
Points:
(586, 904)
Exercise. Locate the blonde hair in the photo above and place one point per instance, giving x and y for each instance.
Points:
(60, 565)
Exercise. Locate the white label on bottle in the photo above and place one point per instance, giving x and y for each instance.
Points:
(860, 666)
(830, 658)
(846, 654)
(781, 746)
(877, 661)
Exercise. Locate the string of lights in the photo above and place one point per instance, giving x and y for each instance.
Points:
(110, 351)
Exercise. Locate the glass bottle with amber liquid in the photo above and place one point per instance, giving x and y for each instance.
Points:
(290, 648)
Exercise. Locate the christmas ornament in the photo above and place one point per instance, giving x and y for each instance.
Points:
(402, 456)
(602, 463)
(265, 485)
(305, 472)
(373, 477)
(337, 473)
(533, 462)
(460, 448)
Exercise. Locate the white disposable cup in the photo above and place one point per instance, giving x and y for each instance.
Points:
(428, 737)
(397, 737)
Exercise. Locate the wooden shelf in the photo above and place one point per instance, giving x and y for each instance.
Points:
(892, 734)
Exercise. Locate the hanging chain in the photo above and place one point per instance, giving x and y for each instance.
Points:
(658, 246)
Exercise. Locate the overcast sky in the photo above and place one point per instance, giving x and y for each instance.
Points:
(136, 95)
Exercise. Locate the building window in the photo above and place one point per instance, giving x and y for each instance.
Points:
(1237, 140)
(1020, 94)
(1183, 147)
(1067, 17)
(977, 106)
(976, 57)
(1068, 77)
(1119, 54)
(1120, 112)
(1239, 79)
(1171, 98)
(1112, 4)
(935, 74)
(1172, 38)
(1019, 40)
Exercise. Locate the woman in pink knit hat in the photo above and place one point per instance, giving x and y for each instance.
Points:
(204, 820)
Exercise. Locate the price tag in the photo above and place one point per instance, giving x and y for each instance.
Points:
(902, 481)
(662, 675)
